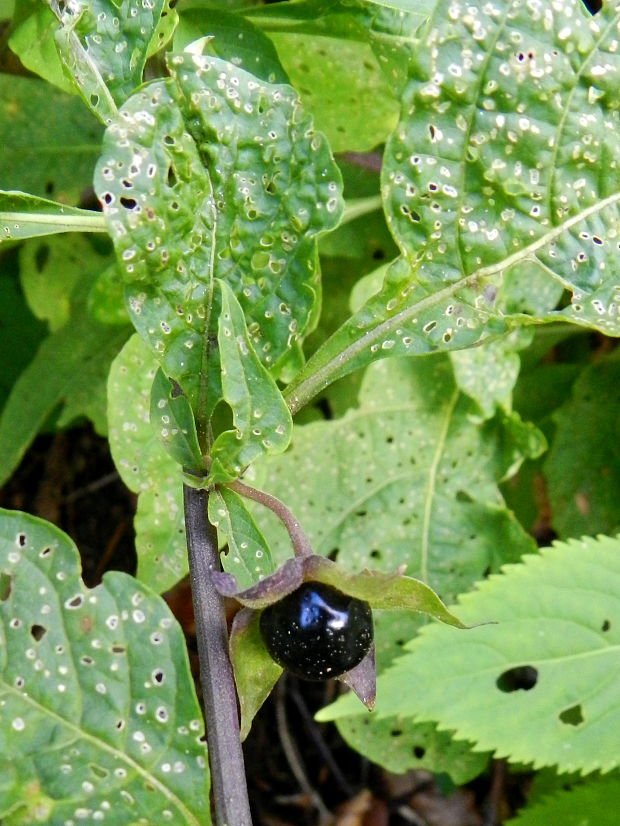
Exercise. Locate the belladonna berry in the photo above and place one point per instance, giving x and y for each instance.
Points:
(317, 631)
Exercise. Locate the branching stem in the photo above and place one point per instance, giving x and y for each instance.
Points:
(228, 780)
(301, 543)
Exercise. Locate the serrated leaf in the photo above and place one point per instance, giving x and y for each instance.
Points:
(592, 804)
(28, 216)
(104, 47)
(247, 556)
(98, 709)
(524, 102)
(549, 658)
(255, 671)
(262, 421)
(38, 124)
(583, 465)
(146, 468)
(172, 417)
(400, 746)
(241, 196)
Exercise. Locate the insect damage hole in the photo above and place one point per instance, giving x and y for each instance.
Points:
(572, 716)
(521, 678)
(37, 632)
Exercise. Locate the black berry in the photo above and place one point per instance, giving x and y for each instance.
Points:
(317, 632)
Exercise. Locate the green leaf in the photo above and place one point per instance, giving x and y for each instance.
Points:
(104, 48)
(173, 419)
(262, 422)
(98, 710)
(591, 804)
(146, 468)
(583, 465)
(549, 659)
(49, 273)
(234, 39)
(336, 79)
(255, 671)
(49, 141)
(70, 367)
(529, 110)
(400, 746)
(247, 556)
(28, 216)
(241, 198)
(34, 43)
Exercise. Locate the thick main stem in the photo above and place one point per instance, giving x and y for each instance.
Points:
(228, 780)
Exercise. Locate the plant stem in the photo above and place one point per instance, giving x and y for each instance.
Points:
(230, 792)
(301, 543)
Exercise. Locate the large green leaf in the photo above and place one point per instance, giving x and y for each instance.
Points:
(49, 140)
(104, 47)
(583, 465)
(33, 41)
(550, 659)
(98, 714)
(594, 803)
(216, 174)
(494, 170)
(146, 468)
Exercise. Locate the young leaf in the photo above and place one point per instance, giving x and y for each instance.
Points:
(146, 468)
(583, 465)
(247, 556)
(98, 711)
(104, 47)
(593, 802)
(549, 659)
(172, 416)
(28, 216)
(33, 41)
(262, 422)
(216, 174)
(524, 102)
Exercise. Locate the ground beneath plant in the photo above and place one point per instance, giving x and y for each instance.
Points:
(300, 773)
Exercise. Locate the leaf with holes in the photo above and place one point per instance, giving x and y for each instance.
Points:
(146, 468)
(408, 478)
(216, 174)
(173, 419)
(592, 803)
(548, 659)
(104, 47)
(262, 421)
(583, 466)
(99, 718)
(507, 119)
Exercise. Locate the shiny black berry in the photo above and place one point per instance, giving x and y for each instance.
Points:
(317, 632)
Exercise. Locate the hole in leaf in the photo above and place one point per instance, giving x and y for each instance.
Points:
(94, 100)
(21, 540)
(572, 716)
(41, 257)
(606, 625)
(158, 676)
(128, 203)
(378, 255)
(98, 771)
(6, 583)
(172, 178)
(333, 554)
(593, 6)
(396, 732)
(375, 553)
(37, 632)
(419, 752)
(463, 496)
(49, 187)
(521, 678)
